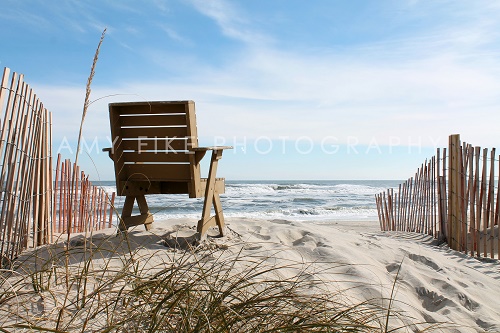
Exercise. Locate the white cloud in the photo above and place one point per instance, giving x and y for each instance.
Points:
(231, 21)
(420, 88)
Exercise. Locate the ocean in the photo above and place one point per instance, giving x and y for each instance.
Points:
(293, 200)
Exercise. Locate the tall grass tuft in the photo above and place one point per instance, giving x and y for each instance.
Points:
(172, 291)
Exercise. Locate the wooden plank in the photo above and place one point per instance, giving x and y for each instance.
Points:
(117, 149)
(390, 210)
(401, 202)
(3, 93)
(410, 205)
(477, 207)
(472, 202)
(158, 144)
(153, 120)
(418, 219)
(398, 213)
(153, 132)
(3, 85)
(15, 235)
(454, 190)
(413, 205)
(405, 207)
(464, 197)
(439, 194)
(7, 134)
(62, 184)
(427, 204)
(128, 207)
(8, 168)
(154, 107)
(51, 175)
(155, 172)
(393, 209)
(219, 214)
(33, 175)
(131, 221)
(39, 173)
(434, 197)
(386, 213)
(484, 193)
(102, 211)
(490, 203)
(172, 157)
(377, 201)
(111, 210)
(56, 187)
(445, 193)
(42, 222)
(497, 213)
(209, 193)
(99, 224)
(418, 210)
(192, 133)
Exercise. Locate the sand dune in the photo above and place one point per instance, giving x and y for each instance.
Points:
(432, 284)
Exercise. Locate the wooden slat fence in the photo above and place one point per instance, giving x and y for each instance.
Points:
(91, 207)
(25, 172)
(33, 204)
(455, 198)
(418, 204)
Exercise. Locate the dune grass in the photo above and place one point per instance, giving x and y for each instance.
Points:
(193, 290)
(114, 284)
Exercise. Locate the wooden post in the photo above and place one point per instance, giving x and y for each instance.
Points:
(490, 204)
(439, 202)
(378, 212)
(463, 197)
(398, 216)
(477, 199)
(404, 206)
(453, 234)
(497, 213)
(472, 202)
(111, 210)
(390, 203)
(484, 213)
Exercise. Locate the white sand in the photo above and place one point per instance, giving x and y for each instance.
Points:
(434, 284)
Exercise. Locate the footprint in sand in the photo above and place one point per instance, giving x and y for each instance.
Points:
(260, 233)
(431, 300)
(468, 303)
(252, 247)
(392, 267)
(279, 221)
(425, 260)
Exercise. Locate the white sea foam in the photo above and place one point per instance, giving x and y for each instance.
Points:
(295, 200)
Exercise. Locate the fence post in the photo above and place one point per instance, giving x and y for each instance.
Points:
(453, 228)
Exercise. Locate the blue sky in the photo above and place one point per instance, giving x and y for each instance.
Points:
(303, 89)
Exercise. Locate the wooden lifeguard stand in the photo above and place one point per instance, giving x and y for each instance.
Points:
(155, 151)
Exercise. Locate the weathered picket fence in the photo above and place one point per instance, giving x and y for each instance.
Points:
(418, 204)
(25, 178)
(91, 207)
(455, 197)
(32, 202)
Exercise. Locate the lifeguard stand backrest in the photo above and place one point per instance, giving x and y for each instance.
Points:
(151, 142)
